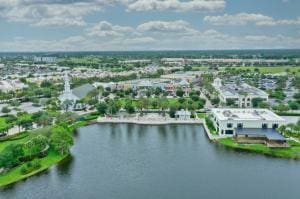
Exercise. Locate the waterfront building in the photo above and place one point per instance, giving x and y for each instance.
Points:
(240, 94)
(252, 125)
(228, 121)
(183, 114)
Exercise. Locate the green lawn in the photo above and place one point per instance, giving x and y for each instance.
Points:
(293, 152)
(16, 140)
(201, 115)
(200, 68)
(265, 69)
(15, 175)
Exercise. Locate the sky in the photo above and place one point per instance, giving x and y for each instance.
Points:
(117, 25)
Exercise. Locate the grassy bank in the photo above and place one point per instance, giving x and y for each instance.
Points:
(293, 152)
(15, 175)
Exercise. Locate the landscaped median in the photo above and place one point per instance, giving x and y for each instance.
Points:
(293, 152)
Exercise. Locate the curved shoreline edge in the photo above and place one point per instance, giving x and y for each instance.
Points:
(213, 138)
(40, 170)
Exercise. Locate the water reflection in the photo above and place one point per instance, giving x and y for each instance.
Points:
(65, 167)
(127, 161)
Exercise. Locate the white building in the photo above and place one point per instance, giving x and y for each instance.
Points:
(135, 61)
(12, 85)
(250, 121)
(45, 59)
(70, 98)
(173, 61)
(241, 95)
(183, 114)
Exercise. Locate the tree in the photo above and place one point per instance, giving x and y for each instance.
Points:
(230, 102)
(281, 108)
(113, 106)
(172, 111)
(5, 109)
(154, 103)
(67, 104)
(61, 139)
(256, 102)
(102, 107)
(294, 105)
(163, 104)
(215, 100)
(67, 117)
(42, 118)
(179, 92)
(10, 156)
(157, 91)
(3, 126)
(25, 121)
(142, 104)
(129, 108)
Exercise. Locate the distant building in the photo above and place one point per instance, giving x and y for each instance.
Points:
(45, 59)
(134, 61)
(238, 62)
(12, 85)
(241, 95)
(70, 99)
(173, 61)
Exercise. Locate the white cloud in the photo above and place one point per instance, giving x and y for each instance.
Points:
(176, 5)
(207, 39)
(106, 29)
(139, 41)
(246, 18)
(71, 12)
(178, 26)
(41, 13)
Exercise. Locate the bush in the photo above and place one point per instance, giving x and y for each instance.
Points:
(210, 125)
(5, 109)
(30, 166)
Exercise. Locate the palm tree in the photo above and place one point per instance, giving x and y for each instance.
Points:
(163, 104)
(67, 104)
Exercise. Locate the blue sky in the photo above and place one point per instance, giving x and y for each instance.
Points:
(75, 25)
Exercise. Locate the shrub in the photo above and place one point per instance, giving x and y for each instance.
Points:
(30, 166)
(210, 124)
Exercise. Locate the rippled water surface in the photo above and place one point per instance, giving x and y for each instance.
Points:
(123, 161)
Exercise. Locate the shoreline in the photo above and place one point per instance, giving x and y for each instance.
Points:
(147, 122)
(33, 173)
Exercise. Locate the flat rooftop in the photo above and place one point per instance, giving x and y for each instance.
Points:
(233, 90)
(246, 114)
(270, 134)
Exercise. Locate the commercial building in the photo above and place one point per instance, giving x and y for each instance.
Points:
(135, 61)
(227, 120)
(259, 125)
(240, 95)
(45, 59)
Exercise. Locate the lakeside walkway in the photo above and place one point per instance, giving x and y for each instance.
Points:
(149, 119)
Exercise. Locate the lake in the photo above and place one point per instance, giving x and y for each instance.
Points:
(126, 161)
